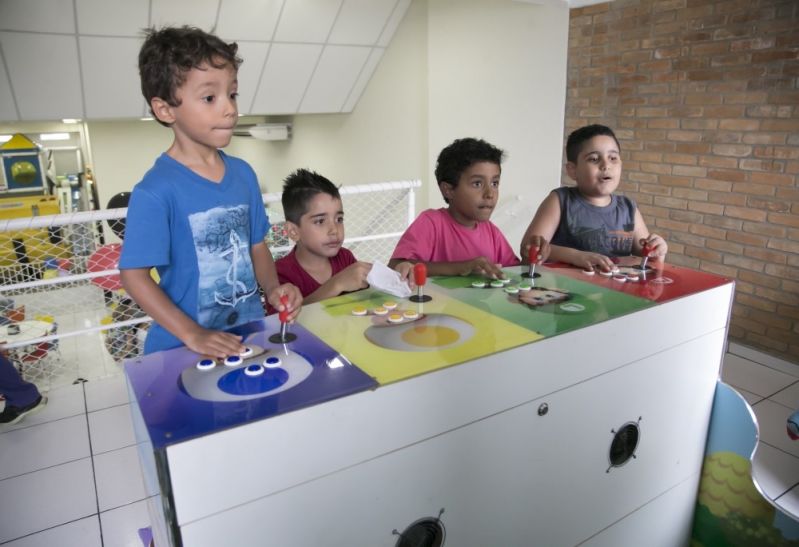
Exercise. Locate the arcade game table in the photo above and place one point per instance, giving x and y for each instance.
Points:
(573, 411)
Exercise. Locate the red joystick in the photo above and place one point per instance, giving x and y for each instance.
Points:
(532, 256)
(420, 274)
(283, 336)
(284, 313)
(420, 277)
(645, 250)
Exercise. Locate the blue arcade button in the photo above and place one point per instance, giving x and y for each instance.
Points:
(254, 370)
(206, 364)
(232, 361)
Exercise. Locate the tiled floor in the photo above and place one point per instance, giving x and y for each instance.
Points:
(69, 475)
(771, 387)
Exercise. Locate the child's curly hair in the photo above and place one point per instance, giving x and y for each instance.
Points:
(168, 54)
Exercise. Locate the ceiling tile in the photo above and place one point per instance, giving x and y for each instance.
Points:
(111, 77)
(363, 78)
(254, 54)
(284, 39)
(8, 112)
(334, 78)
(37, 16)
(394, 20)
(112, 17)
(248, 19)
(196, 13)
(286, 75)
(44, 73)
(361, 21)
(307, 20)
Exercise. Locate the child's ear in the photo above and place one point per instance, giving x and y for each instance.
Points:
(571, 170)
(162, 110)
(446, 189)
(293, 231)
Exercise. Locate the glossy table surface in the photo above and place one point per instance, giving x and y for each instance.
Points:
(344, 352)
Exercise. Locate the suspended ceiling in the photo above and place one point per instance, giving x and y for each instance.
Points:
(77, 58)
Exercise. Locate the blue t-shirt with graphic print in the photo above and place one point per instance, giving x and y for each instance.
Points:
(197, 233)
(607, 230)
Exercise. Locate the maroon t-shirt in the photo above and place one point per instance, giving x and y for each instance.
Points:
(290, 271)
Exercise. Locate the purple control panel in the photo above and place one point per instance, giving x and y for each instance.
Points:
(183, 395)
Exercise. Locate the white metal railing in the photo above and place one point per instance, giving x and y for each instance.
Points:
(44, 259)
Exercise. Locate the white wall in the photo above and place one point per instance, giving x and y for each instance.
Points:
(384, 138)
(499, 73)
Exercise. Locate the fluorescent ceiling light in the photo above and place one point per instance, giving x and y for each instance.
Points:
(54, 136)
(71, 120)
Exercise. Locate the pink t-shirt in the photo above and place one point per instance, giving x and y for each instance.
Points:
(436, 237)
(290, 271)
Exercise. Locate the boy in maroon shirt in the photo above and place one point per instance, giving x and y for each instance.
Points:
(318, 264)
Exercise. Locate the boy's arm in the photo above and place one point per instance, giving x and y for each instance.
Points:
(351, 278)
(478, 266)
(657, 245)
(543, 227)
(152, 299)
(266, 274)
(582, 259)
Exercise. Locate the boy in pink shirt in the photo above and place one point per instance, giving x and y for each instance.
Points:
(460, 239)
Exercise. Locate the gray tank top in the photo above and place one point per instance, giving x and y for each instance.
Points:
(606, 230)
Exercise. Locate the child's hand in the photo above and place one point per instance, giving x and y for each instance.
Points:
(655, 245)
(353, 277)
(215, 343)
(535, 241)
(482, 266)
(405, 269)
(587, 261)
(294, 300)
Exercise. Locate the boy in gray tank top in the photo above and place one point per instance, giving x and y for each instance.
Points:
(587, 224)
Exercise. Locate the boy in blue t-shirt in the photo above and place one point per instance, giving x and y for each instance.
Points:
(587, 224)
(197, 216)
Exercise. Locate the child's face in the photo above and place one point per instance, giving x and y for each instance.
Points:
(476, 194)
(598, 168)
(207, 112)
(321, 228)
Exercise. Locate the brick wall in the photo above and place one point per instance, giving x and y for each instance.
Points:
(704, 98)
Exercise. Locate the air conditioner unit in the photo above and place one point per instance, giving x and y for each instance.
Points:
(265, 131)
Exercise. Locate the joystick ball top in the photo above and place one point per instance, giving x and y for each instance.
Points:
(420, 273)
(284, 314)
